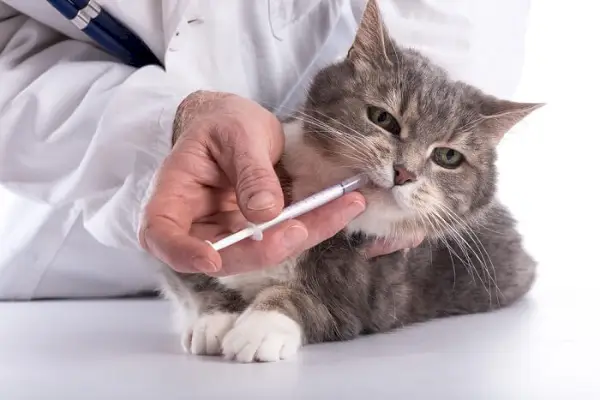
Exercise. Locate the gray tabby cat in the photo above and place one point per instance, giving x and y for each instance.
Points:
(427, 144)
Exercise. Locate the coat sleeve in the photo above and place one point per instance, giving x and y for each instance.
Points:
(79, 128)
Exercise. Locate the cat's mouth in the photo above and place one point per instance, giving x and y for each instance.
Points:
(376, 186)
(380, 185)
(379, 180)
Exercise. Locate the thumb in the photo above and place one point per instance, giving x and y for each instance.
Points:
(247, 159)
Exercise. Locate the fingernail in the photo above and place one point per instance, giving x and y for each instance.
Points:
(205, 265)
(261, 201)
(294, 236)
(357, 207)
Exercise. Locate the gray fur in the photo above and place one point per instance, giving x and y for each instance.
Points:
(472, 259)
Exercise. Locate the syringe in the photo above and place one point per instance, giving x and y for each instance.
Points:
(294, 210)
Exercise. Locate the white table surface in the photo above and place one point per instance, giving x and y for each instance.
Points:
(542, 348)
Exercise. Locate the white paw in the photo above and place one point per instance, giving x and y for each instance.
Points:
(262, 336)
(207, 332)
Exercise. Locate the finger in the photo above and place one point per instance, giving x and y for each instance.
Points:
(277, 245)
(166, 224)
(218, 225)
(326, 221)
(246, 154)
(164, 239)
(383, 247)
(178, 195)
(291, 237)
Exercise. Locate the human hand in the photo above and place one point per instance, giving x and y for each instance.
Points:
(382, 247)
(220, 175)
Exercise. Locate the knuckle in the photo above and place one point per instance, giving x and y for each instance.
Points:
(268, 255)
(152, 235)
(227, 132)
(251, 178)
(227, 139)
(146, 232)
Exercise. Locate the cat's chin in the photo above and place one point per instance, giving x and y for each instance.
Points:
(386, 216)
(395, 200)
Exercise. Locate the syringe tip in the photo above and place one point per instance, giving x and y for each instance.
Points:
(354, 182)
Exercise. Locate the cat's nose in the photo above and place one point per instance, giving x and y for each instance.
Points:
(402, 175)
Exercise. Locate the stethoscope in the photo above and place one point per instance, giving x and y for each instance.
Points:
(107, 31)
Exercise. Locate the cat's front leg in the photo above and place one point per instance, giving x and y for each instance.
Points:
(205, 310)
(205, 333)
(274, 327)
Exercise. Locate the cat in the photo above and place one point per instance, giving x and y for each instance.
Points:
(428, 146)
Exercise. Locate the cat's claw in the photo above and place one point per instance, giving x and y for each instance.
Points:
(206, 334)
(262, 336)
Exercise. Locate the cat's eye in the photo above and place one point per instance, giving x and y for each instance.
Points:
(383, 119)
(447, 158)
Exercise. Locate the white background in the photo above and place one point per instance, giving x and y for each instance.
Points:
(550, 163)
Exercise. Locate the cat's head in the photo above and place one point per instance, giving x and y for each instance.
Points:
(427, 143)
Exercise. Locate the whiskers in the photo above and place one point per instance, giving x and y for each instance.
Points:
(457, 235)
(355, 146)
(352, 145)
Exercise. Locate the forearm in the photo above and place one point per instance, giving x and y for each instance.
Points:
(77, 127)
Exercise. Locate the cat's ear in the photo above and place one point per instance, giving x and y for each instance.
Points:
(372, 40)
(500, 116)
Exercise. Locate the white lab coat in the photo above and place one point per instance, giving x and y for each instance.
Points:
(81, 135)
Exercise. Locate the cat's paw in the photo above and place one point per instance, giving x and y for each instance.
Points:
(206, 334)
(262, 336)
